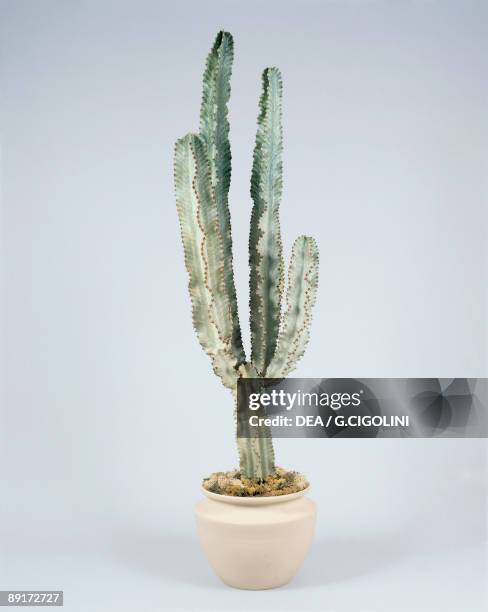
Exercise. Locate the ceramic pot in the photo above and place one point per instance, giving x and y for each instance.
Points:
(255, 542)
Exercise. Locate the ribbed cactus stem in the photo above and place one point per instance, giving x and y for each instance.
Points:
(256, 457)
(265, 248)
(214, 131)
(303, 276)
(256, 453)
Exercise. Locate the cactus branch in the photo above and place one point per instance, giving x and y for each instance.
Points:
(204, 256)
(265, 247)
(214, 132)
(300, 298)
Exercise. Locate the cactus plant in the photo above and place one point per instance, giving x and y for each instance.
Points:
(202, 170)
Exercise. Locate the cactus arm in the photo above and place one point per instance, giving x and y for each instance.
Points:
(214, 131)
(301, 295)
(265, 246)
(204, 256)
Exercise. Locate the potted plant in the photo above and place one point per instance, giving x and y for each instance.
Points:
(255, 523)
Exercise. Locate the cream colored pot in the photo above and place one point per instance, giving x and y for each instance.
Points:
(255, 542)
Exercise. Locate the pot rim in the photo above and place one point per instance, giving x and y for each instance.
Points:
(254, 501)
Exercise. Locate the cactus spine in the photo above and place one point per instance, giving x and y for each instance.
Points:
(202, 171)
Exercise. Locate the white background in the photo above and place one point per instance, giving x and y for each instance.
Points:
(110, 413)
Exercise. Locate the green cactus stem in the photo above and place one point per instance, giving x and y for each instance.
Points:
(265, 247)
(204, 256)
(214, 131)
(303, 276)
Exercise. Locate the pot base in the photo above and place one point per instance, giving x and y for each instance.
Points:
(255, 542)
